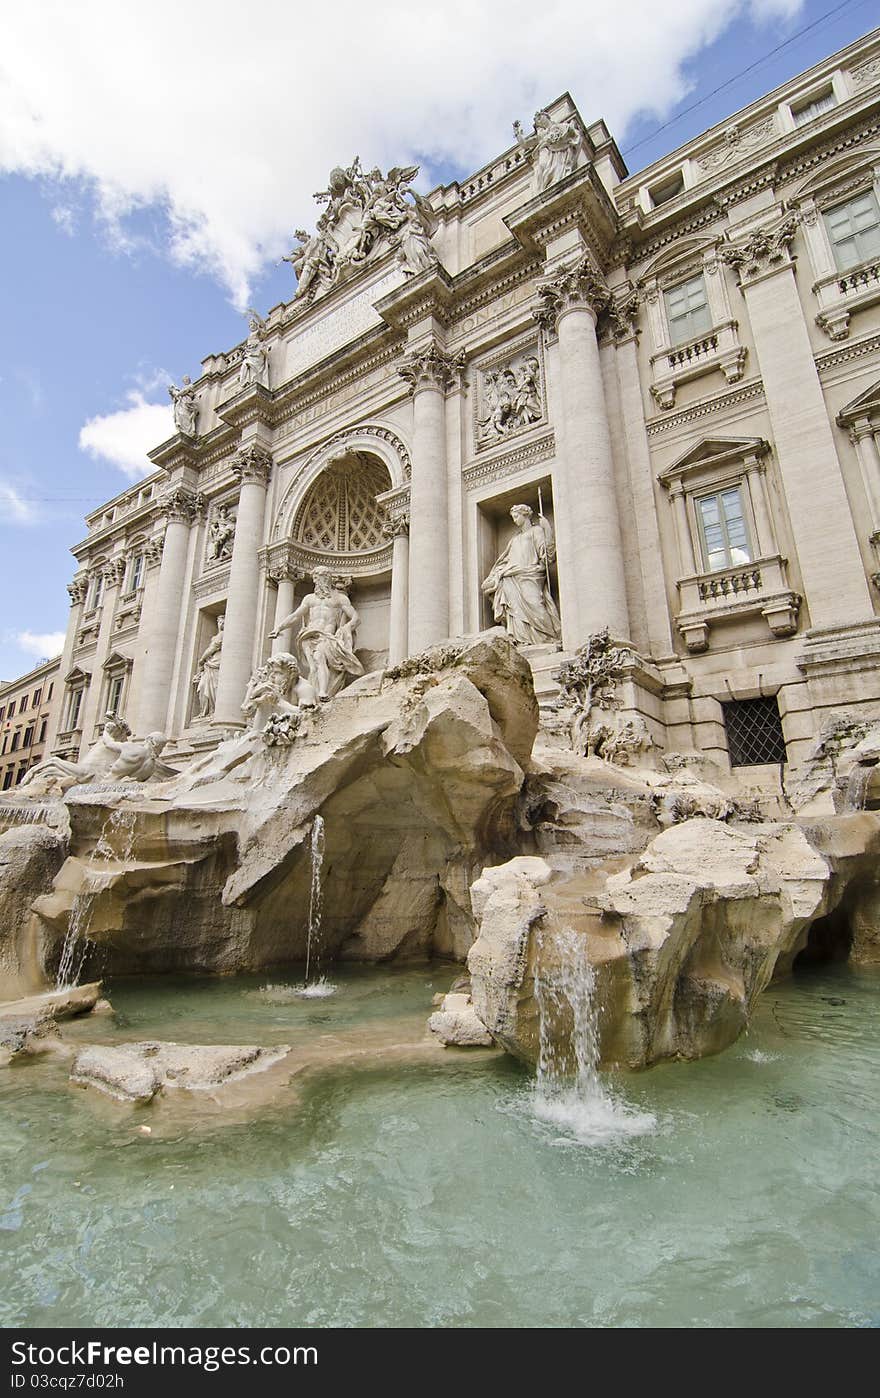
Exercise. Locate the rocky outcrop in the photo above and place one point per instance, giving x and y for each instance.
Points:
(683, 940)
(137, 1072)
(30, 858)
(29, 1026)
(457, 1024)
(415, 773)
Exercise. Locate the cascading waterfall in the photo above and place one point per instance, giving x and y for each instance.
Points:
(569, 1091)
(319, 986)
(856, 793)
(31, 814)
(119, 830)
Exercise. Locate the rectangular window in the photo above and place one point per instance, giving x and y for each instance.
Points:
(114, 698)
(43, 726)
(5, 744)
(136, 573)
(854, 230)
(2, 713)
(662, 193)
(754, 732)
(814, 107)
(687, 310)
(27, 740)
(75, 706)
(11, 708)
(7, 780)
(723, 530)
(97, 595)
(16, 739)
(20, 773)
(38, 694)
(49, 695)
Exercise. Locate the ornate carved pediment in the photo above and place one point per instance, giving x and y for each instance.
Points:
(367, 214)
(866, 406)
(713, 452)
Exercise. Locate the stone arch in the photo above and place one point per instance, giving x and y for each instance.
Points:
(371, 440)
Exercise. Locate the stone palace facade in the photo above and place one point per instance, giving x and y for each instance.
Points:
(678, 371)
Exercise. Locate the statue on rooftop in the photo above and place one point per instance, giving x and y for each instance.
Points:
(255, 360)
(184, 401)
(553, 146)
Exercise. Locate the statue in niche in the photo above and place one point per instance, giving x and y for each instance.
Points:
(221, 535)
(519, 582)
(255, 360)
(184, 401)
(326, 640)
(513, 397)
(55, 775)
(205, 680)
(554, 147)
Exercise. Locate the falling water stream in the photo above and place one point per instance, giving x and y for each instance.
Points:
(319, 986)
(569, 1091)
(118, 828)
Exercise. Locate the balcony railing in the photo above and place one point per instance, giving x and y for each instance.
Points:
(759, 588)
(717, 349)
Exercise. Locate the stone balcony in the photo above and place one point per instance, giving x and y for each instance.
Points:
(841, 294)
(759, 588)
(719, 348)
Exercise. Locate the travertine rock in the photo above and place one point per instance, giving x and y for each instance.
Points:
(30, 857)
(137, 1072)
(457, 1023)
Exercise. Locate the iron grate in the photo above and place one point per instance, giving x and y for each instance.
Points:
(754, 732)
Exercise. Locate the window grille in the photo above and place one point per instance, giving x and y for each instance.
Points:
(754, 732)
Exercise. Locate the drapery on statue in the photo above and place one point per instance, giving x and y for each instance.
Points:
(325, 644)
(184, 400)
(519, 582)
(208, 669)
(55, 775)
(554, 147)
(254, 362)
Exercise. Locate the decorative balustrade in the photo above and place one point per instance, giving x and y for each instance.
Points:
(729, 583)
(759, 588)
(718, 349)
(688, 354)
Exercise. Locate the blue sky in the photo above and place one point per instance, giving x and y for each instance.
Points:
(153, 166)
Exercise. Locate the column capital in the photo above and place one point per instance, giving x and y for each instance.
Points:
(764, 250)
(861, 428)
(252, 463)
(78, 589)
(180, 504)
(277, 562)
(430, 367)
(623, 314)
(396, 524)
(153, 550)
(114, 571)
(579, 286)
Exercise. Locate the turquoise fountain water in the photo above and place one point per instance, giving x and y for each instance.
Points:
(419, 1196)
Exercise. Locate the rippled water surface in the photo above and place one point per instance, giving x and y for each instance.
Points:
(420, 1196)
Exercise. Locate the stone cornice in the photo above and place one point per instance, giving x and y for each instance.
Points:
(507, 463)
(722, 401)
(429, 295)
(253, 404)
(579, 201)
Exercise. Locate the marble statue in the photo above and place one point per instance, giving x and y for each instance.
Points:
(519, 582)
(138, 759)
(208, 669)
(184, 400)
(269, 687)
(366, 212)
(255, 360)
(326, 640)
(55, 775)
(513, 398)
(221, 535)
(554, 147)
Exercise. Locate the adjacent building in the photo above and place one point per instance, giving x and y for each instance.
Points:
(28, 708)
(679, 369)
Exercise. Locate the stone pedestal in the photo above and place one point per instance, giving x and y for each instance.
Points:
(253, 467)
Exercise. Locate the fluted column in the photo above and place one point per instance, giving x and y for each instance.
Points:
(429, 372)
(682, 530)
(253, 466)
(398, 623)
(179, 507)
(285, 577)
(594, 593)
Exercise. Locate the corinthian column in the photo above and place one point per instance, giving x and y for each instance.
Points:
(285, 576)
(429, 372)
(253, 466)
(591, 572)
(157, 666)
(398, 625)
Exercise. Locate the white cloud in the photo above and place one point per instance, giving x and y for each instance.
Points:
(65, 218)
(42, 644)
(123, 438)
(228, 119)
(14, 507)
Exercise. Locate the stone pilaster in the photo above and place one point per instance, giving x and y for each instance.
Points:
(179, 507)
(252, 465)
(114, 573)
(429, 371)
(828, 551)
(591, 572)
(397, 529)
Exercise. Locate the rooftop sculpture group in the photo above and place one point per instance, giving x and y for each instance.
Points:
(366, 212)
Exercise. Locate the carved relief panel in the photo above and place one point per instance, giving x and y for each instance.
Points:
(510, 395)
